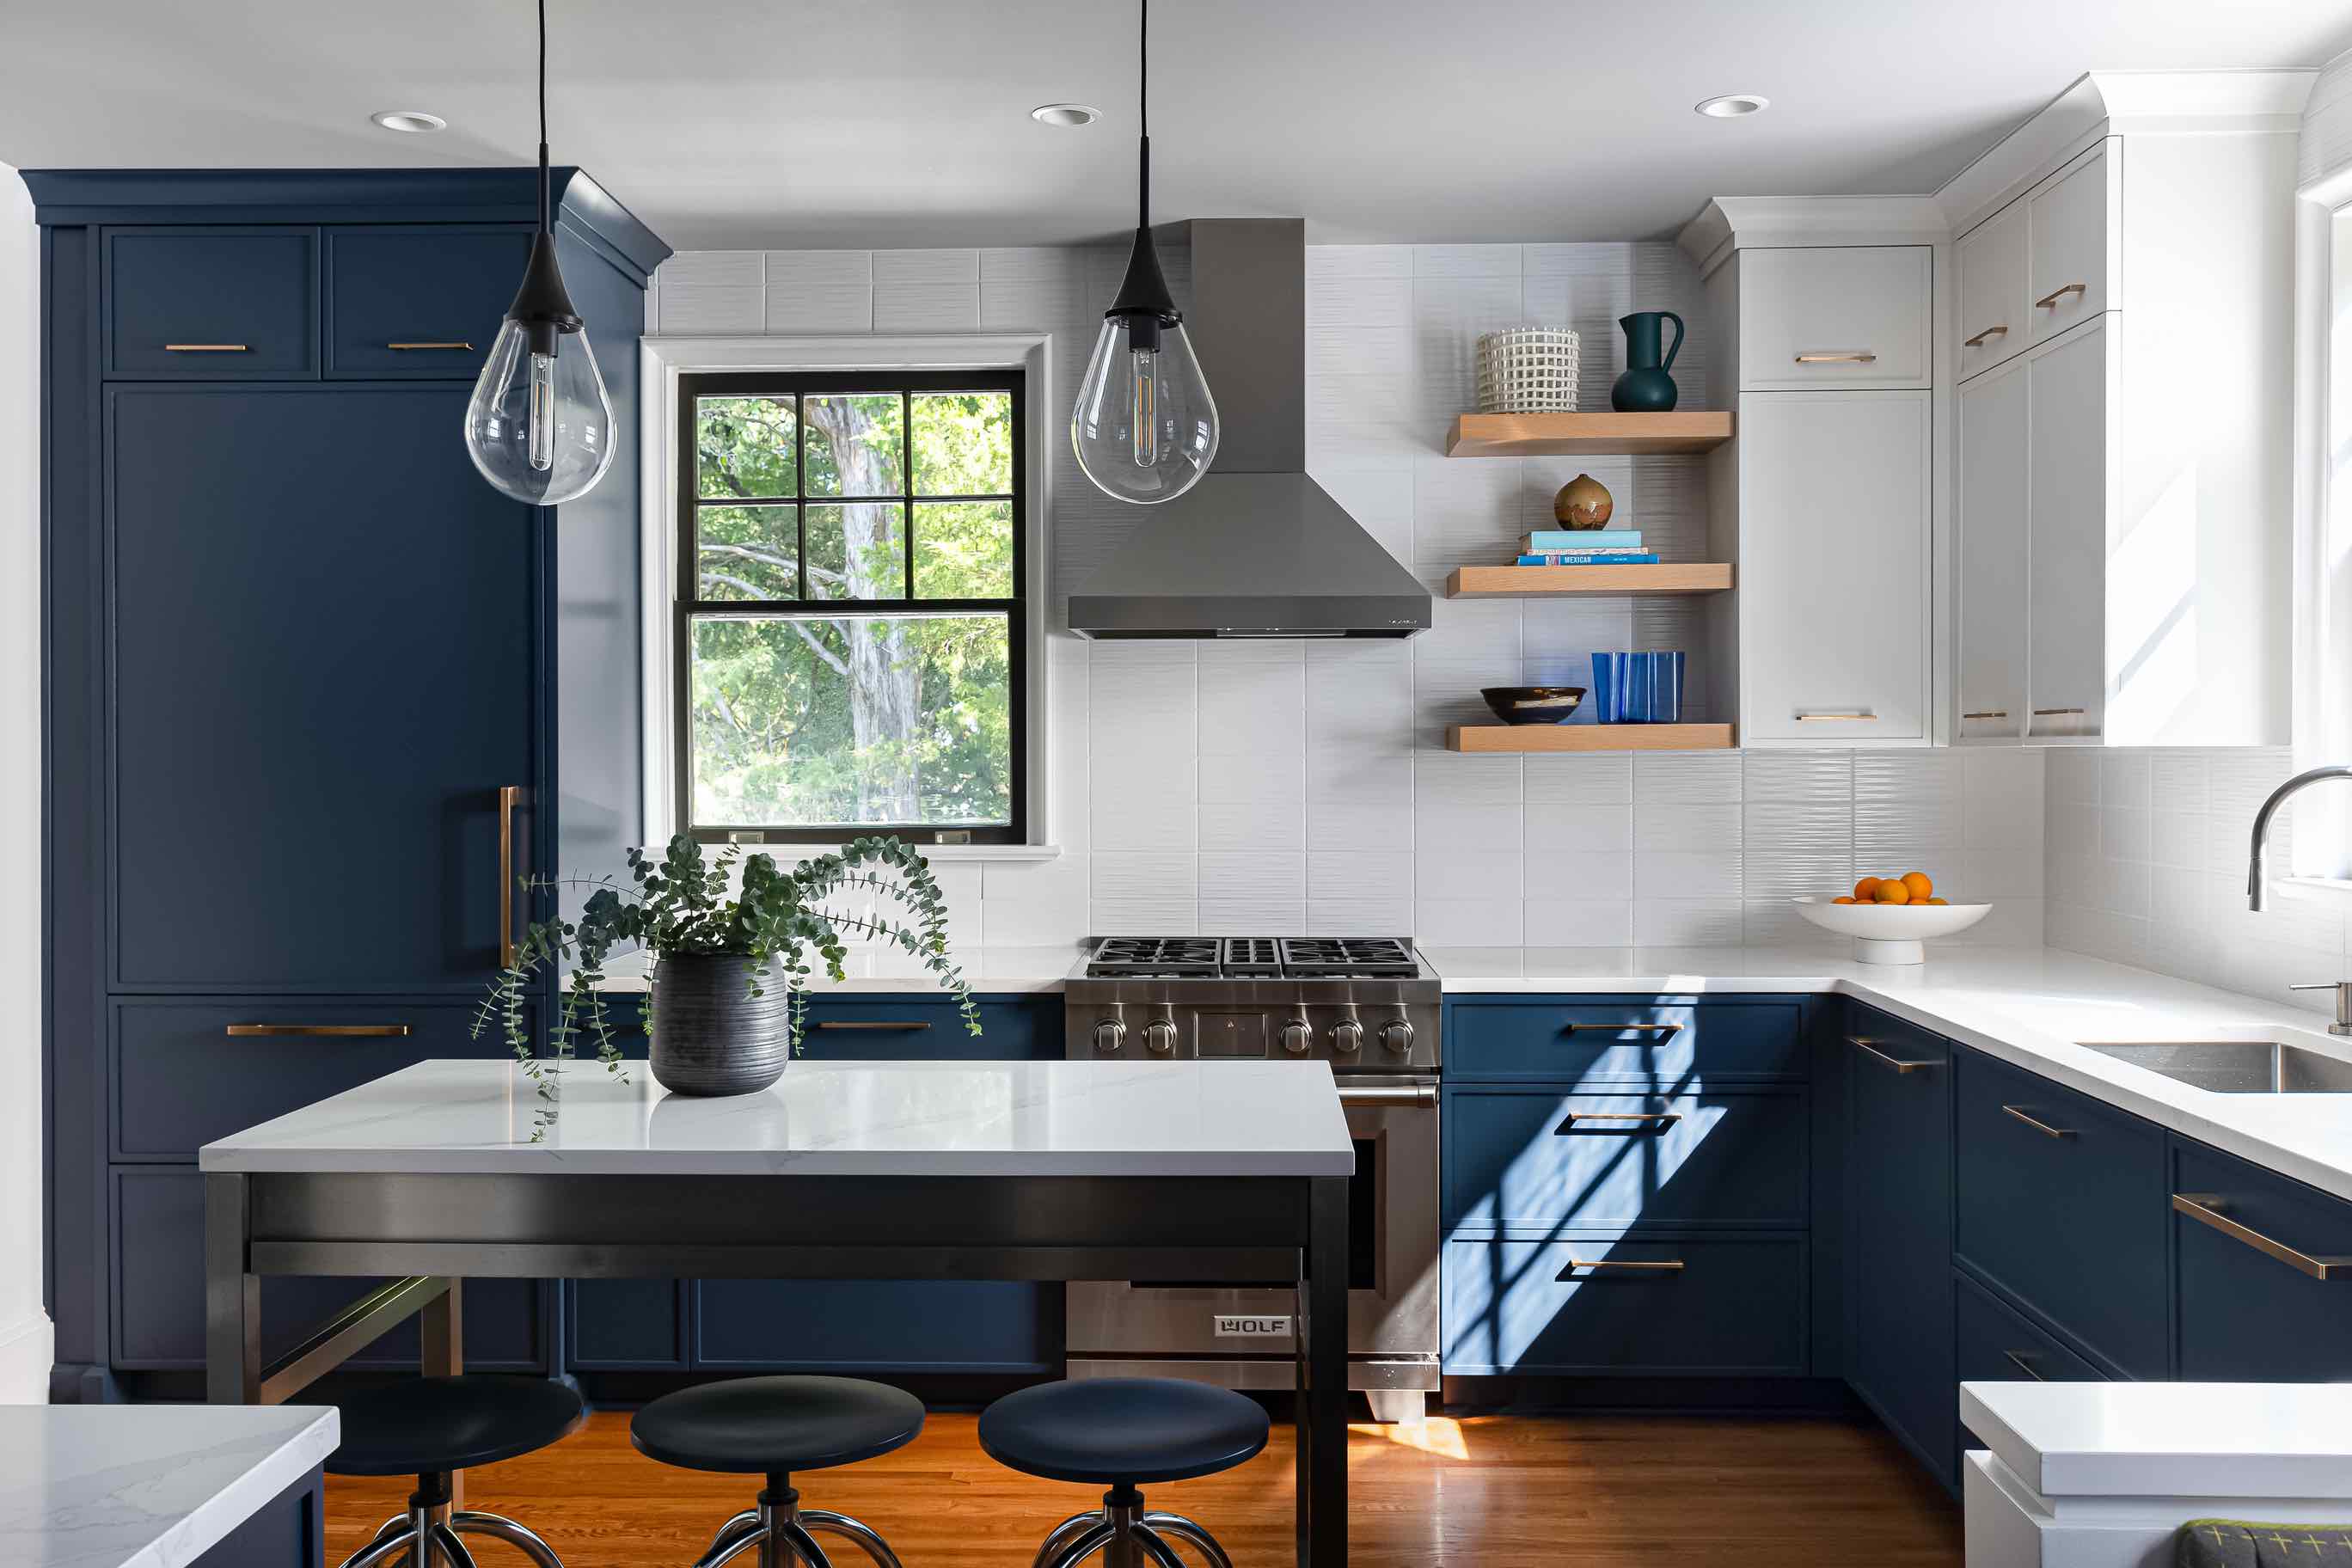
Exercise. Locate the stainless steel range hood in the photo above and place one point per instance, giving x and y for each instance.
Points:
(1257, 549)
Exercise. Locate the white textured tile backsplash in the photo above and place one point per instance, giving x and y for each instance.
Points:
(1224, 788)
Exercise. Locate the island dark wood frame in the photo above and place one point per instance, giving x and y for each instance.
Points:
(432, 1231)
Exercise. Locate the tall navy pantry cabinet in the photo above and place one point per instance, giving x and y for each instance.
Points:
(303, 720)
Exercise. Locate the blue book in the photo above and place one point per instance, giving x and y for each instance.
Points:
(1545, 540)
(1621, 558)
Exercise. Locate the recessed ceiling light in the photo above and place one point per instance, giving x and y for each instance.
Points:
(415, 121)
(1064, 114)
(1732, 105)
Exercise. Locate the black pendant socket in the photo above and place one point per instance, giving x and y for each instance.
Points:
(542, 305)
(1143, 297)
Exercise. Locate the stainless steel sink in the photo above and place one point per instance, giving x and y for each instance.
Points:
(2236, 1067)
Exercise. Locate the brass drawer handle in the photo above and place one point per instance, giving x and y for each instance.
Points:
(1629, 1120)
(206, 349)
(2206, 1210)
(510, 796)
(1629, 1028)
(2041, 1127)
(1979, 341)
(1631, 1266)
(346, 1031)
(1988, 713)
(879, 1023)
(2017, 1359)
(1857, 356)
(2058, 712)
(428, 345)
(2050, 301)
(1870, 1049)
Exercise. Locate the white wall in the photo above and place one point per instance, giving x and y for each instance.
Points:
(25, 1337)
(1253, 786)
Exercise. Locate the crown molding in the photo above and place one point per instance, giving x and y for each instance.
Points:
(1745, 223)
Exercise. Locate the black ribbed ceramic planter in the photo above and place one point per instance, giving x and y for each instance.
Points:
(711, 1035)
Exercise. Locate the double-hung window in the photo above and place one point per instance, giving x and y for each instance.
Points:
(851, 612)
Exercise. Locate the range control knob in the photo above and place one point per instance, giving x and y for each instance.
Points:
(1296, 1037)
(1108, 1034)
(1397, 1037)
(1159, 1036)
(1348, 1037)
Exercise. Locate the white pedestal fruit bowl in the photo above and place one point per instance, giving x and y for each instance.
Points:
(1891, 933)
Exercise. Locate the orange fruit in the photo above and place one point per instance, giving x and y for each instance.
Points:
(1944, 902)
(1866, 889)
(1920, 885)
(1895, 893)
(1842, 898)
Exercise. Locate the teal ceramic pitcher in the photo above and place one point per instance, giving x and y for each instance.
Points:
(1645, 387)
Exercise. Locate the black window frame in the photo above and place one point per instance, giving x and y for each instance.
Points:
(687, 607)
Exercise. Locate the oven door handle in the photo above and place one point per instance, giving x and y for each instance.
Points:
(1410, 1094)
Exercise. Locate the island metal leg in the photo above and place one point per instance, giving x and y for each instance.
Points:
(231, 1296)
(441, 1326)
(1321, 1412)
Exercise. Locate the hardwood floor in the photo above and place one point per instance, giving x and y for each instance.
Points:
(1496, 1490)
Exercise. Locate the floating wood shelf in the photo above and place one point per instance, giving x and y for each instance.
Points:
(1585, 435)
(1587, 737)
(1543, 582)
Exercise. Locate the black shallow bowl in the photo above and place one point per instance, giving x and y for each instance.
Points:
(1533, 704)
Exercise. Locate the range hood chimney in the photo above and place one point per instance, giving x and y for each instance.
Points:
(1257, 549)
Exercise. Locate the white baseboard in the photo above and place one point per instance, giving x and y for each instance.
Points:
(26, 1349)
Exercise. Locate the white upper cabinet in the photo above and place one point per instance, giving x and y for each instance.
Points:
(1993, 318)
(2066, 525)
(2068, 220)
(1994, 452)
(1833, 525)
(1852, 316)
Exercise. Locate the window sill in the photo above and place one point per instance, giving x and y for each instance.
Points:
(943, 854)
(2334, 891)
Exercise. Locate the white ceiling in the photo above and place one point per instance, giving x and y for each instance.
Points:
(727, 122)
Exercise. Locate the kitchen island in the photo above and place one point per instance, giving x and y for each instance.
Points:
(1036, 1170)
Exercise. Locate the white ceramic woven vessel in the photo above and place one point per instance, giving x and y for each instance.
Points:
(1891, 933)
(1528, 370)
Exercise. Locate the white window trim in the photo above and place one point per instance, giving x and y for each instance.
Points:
(664, 360)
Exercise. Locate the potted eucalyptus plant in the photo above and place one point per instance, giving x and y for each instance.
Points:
(729, 975)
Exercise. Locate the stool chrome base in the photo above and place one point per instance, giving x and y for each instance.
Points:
(780, 1529)
(1126, 1535)
(427, 1535)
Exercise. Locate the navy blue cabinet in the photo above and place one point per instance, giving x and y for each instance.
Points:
(2250, 1248)
(422, 301)
(206, 303)
(289, 1530)
(1898, 1230)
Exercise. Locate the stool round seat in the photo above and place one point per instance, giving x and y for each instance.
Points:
(1123, 1431)
(423, 1426)
(774, 1425)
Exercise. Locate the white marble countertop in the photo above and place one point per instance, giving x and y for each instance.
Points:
(878, 1119)
(149, 1486)
(2026, 1005)
(2167, 1439)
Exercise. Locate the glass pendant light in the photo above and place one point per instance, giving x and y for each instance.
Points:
(539, 426)
(1145, 427)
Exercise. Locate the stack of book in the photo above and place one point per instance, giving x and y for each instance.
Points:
(1584, 547)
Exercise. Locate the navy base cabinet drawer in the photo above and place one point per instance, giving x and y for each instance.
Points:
(1994, 1342)
(287, 1532)
(159, 1291)
(627, 1325)
(212, 304)
(926, 1026)
(2059, 1202)
(423, 302)
(1639, 1044)
(1539, 1159)
(182, 1079)
(1705, 1308)
(2246, 1315)
(871, 1325)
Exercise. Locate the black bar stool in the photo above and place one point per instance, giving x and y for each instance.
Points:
(433, 1426)
(1121, 1432)
(773, 1426)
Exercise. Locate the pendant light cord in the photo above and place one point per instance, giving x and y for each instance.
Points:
(544, 214)
(1143, 98)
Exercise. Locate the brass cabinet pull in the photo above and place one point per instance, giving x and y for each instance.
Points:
(1870, 1049)
(1633, 1266)
(2058, 712)
(2017, 1359)
(1857, 356)
(877, 1024)
(206, 349)
(509, 794)
(1979, 341)
(337, 1030)
(2050, 298)
(451, 345)
(1629, 1120)
(2041, 1127)
(1860, 715)
(1988, 713)
(1629, 1028)
(2206, 1210)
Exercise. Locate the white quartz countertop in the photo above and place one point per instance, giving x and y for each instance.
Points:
(2167, 1439)
(2030, 1006)
(876, 1118)
(149, 1485)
